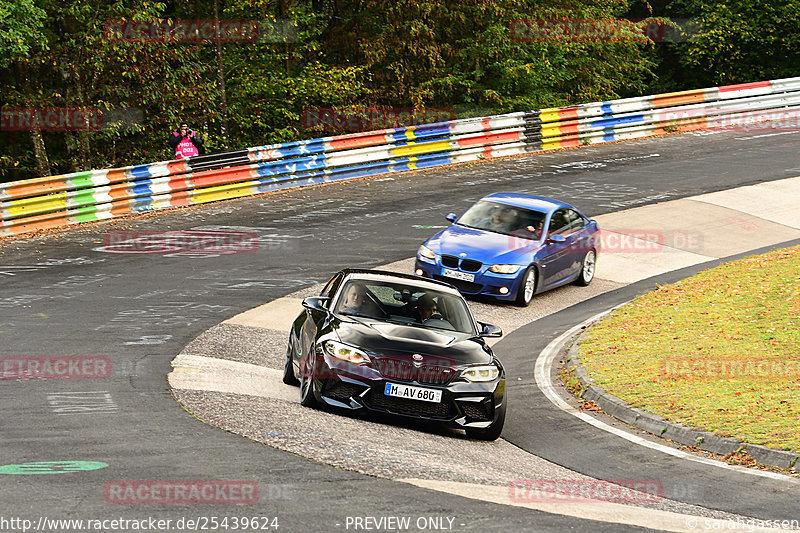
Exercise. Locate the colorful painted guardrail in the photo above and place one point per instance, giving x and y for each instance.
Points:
(66, 199)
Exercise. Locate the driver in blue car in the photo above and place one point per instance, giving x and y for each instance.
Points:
(503, 220)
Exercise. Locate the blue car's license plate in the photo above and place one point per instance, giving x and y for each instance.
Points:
(413, 393)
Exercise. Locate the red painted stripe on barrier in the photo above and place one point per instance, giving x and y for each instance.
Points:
(679, 98)
(36, 187)
(180, 183)
(744, 86)
(210, 178)
(568, 128)
(367, 140)
(490, 138)
(568, 113)
(486, 124)
(116, 175)
(118, 191)
(181, 199)
(38, 222)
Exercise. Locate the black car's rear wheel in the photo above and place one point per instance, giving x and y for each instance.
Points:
(307, 387)
(492, 432)
(288, 366)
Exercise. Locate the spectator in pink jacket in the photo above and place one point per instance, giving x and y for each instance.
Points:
(186, 142)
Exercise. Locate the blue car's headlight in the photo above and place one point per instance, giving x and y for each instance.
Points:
(426, 252)
(504, 269)
(481, 373)
(346, 352)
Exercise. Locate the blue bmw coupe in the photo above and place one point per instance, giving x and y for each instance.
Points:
(512, 246)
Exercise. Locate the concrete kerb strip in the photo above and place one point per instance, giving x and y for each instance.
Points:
(660, 427)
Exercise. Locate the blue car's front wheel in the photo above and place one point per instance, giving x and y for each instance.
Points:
(527, 288)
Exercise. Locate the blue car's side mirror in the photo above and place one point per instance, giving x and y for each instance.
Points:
(558, 239)
(451, 217)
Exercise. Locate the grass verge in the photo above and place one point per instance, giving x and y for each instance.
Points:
(719, 351)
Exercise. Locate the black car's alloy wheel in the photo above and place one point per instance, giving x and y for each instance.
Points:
(307, 397)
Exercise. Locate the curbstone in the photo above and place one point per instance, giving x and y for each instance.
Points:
(665, 429)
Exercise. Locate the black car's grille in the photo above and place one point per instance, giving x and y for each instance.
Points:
(468, 265)
(403, 406)
(342, 391)
(399, 370)
(468, 287)
(450, 261)
(477, 411)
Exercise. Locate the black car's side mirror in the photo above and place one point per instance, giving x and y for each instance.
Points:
(316, 303)
(558, 239)
(451, 217)
(490, 330)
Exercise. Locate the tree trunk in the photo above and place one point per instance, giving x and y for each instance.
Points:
(223, 101)
(39, 149)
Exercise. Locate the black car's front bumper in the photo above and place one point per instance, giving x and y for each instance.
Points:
(464, 404)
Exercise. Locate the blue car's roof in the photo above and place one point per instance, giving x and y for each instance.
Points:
(528, 201)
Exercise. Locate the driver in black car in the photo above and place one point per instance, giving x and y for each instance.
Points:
(353, 302)
(426, 307)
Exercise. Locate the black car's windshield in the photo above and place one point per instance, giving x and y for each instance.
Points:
(505, 219)
(406, 304)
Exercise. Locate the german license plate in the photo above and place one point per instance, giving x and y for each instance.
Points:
(455, 274)
(413, 393)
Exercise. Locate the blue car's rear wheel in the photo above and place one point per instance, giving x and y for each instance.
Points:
(527, 288)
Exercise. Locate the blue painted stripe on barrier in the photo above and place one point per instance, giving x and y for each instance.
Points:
(140, 171)
(139, 205)
(606, 108)
(611, 122)
(609, 136)
(140, 188)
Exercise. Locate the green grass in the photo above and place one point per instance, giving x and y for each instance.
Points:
(719, 351)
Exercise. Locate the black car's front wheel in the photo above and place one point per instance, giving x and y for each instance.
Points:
(307, 396)
(492, 432)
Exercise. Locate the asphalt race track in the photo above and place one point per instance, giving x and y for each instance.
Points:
(62, 297)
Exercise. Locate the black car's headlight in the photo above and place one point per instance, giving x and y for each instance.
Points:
(346, 352)
(481, 373)
(426, 252)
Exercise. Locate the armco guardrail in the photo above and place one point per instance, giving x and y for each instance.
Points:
(66, 199)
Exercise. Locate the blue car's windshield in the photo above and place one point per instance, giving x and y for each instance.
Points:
(504, 219)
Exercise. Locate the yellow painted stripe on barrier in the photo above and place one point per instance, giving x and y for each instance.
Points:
(410, 133)
(421, 148)
(212, 194)
(551, 131)
(37, 204)
(551, 145)
(412, 164)
(549, 115)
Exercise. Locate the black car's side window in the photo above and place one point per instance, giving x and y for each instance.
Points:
(330, 287)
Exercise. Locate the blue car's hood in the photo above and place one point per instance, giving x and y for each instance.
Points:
(484, 246)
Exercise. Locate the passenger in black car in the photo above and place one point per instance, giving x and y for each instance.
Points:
(353, 300)
(426, 307)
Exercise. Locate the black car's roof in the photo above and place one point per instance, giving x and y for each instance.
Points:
(364, 273)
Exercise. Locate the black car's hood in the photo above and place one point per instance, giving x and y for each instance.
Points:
(384, 338)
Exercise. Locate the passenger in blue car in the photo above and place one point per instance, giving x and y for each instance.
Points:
(502, 220)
